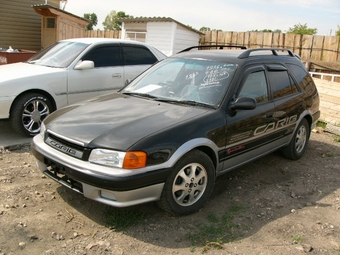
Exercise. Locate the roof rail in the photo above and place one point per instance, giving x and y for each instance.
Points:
(247, 53)
(214, 46)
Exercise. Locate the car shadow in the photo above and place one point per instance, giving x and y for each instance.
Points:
(253, 196)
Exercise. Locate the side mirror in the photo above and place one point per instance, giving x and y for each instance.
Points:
(86, 64)
(243, 103)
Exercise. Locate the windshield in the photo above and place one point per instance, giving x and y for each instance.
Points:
(184, 81)
(60, 54)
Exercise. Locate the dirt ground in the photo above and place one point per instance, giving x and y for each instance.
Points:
(270, 206)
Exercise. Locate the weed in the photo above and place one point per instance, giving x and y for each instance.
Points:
(321, 124)
(218, 230)
(122, 218)
(297, 239)
(336, 138)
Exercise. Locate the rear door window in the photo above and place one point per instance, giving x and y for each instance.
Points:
(135, 55)
(281, 82)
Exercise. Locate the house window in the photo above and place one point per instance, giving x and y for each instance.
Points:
(136, 36)
(50, 23)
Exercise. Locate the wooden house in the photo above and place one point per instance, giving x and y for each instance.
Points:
(20, 25)
(166, 34)
(57, 24)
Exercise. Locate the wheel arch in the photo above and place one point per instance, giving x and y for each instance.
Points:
(310, 122)
(211, 154)
(42, 92)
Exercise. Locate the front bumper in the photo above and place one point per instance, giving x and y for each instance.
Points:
(121, 189)
(5, 106)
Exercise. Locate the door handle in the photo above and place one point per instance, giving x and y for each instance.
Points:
(116, 75)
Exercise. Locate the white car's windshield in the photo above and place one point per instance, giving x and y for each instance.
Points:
(60, 54)
(185, 81)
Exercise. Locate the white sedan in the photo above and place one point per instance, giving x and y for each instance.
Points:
(67, 72)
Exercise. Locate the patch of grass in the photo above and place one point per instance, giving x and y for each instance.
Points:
(321, 124)
(121, 219)
(297, 239)
(217, 230)
(337, 138)
(329, 154)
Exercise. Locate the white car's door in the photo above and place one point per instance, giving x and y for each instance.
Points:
(107, 74)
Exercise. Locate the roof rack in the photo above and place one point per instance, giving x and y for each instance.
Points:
(247, 53)
(217, 46)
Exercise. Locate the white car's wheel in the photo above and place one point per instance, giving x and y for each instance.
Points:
(28, 111)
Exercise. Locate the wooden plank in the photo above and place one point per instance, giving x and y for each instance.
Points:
(213, 37)
(253, 40)
(316, 52)
(267, 40)
(277, 41)
(289, 41)
(246, 39)
(207, 38)
(240, 38)
(330, 48)
(220, 37)
(306, 46)
(228, 37)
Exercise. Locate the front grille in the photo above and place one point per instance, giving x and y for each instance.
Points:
(64, 146)
(57, 172)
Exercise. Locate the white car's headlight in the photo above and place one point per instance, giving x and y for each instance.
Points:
(127, 160)
(107, 157)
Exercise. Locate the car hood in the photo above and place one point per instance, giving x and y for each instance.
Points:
(116, 121)
(24, 70)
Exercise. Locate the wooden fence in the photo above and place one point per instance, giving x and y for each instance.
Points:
(311, 48)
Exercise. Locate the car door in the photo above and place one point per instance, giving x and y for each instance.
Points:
(287, 98)
(249, 132)
(107, 74)
(137, 59)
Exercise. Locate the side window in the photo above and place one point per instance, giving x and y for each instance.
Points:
(135, 55)
(281, 83)
(255, 86)
(305, 80)
(104, 56)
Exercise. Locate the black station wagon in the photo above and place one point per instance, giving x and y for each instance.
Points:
(168, 134)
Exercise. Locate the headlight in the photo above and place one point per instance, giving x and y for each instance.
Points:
(107, 157)
(126, 160)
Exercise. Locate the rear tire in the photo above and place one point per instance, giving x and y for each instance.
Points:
(298, 144)
(28, 111)
(189, 184)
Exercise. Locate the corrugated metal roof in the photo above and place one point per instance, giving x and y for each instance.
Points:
(156, 19)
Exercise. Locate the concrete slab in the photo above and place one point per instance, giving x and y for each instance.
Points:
(9, 140)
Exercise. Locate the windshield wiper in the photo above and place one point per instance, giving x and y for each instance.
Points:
(195, 103)
(139, 94)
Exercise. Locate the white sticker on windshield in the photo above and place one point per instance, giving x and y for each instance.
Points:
(148, 88)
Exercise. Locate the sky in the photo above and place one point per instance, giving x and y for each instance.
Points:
(227, 15)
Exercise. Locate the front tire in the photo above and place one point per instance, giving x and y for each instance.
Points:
(298, 144)
(27, 113)
(189, 184)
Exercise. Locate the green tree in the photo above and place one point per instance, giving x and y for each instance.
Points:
(204, 29)
(111, 22)
(93, 18)
(337, 33)
(302, 30)
(267, 31)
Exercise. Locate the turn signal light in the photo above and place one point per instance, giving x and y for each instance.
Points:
(134, 160)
